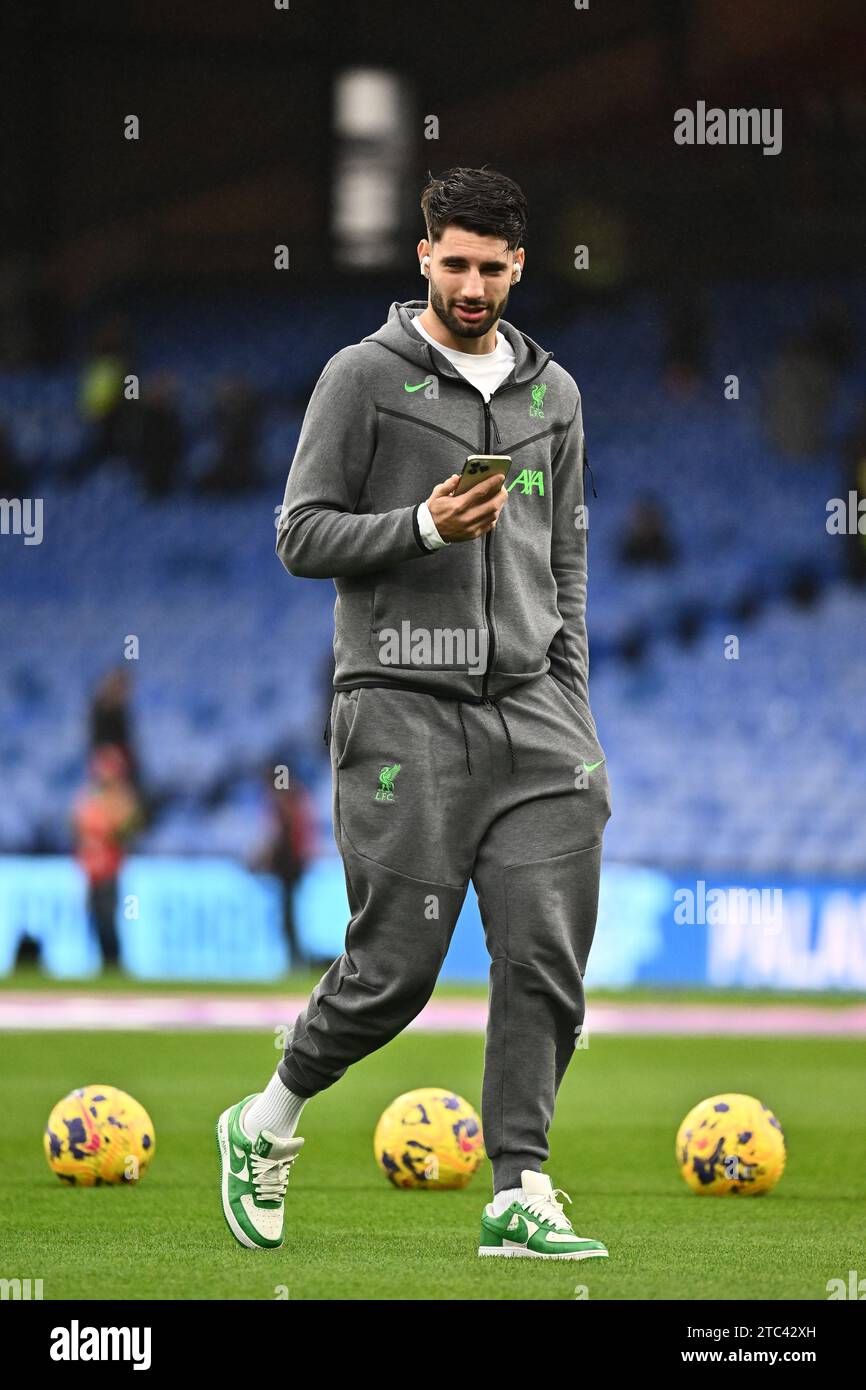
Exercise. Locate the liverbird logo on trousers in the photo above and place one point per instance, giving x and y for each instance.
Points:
(386, 782)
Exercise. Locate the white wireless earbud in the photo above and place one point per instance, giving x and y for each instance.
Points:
(518, 271)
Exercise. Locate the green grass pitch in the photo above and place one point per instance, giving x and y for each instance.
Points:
(350, 1235)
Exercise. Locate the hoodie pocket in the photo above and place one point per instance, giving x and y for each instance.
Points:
(438, 624)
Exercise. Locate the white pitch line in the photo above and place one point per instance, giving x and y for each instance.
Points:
(71, 1011)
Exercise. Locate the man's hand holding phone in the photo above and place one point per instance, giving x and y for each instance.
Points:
(465, 515)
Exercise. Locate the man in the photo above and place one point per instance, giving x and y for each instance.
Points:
(106, 816)
(462, 743)
(287, 851)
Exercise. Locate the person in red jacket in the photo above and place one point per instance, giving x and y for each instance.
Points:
(288, 851)
(105, 816)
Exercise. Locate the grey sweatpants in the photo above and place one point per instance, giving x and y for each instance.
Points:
(429, 794)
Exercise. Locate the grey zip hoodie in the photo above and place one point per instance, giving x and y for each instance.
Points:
(389, 418)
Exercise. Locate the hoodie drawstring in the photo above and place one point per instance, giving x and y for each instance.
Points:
(503, 721)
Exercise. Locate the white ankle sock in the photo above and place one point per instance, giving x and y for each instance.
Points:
(502, 1200)
(277, 1109)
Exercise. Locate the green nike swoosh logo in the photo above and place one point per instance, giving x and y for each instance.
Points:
(407, 387)
(240, 1170)
(519, 1234)
(590, 767)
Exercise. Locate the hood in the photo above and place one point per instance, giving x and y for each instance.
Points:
(398, 336)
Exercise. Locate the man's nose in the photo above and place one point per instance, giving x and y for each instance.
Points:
(473, 287)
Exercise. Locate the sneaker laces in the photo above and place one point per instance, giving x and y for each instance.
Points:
(270, 1176)
(549, 1209)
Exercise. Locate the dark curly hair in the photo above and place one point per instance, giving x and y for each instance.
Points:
(481, 200)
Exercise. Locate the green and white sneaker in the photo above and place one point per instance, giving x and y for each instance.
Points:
(535, 1227)
(253, 1178)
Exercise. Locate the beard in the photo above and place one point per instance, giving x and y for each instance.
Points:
(456, 325)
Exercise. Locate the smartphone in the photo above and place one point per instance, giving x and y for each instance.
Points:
(480, 466)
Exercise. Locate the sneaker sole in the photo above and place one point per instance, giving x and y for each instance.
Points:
(521, 1254)
(222, 1139)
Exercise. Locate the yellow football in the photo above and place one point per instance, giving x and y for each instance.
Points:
(98, 1135)
(731, 1145)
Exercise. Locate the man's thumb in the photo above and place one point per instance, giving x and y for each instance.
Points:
(444, 489)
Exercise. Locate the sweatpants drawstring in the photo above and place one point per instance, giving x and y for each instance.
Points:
(465, 739)
(504, 723)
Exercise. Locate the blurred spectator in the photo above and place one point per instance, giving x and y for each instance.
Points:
(101, 400)
(797, 395)
(238, 421)
(288, 851)
(157, 445)
(113, 421)
(110, 719)
(105, 817)
(646, 540)
(803, 586)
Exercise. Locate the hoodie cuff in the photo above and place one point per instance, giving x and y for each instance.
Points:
(426, 533)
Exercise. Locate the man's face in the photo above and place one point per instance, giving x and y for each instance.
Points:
(470, 278)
